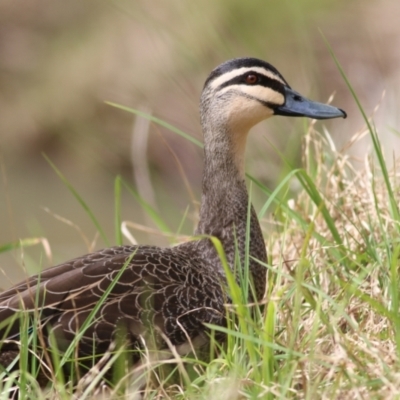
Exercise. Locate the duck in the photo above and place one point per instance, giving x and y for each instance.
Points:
(172, 293)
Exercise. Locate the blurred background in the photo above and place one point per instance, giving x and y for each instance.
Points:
(60, 62)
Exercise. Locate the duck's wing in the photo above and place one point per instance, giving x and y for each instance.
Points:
(149, 287)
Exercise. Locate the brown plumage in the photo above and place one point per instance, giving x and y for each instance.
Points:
(170, 290)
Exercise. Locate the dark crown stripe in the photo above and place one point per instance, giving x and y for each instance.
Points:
(246, 62)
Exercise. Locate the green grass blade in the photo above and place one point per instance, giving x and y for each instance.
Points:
(375, 139)
(91, 317)
(268, 359)
(150, 211)
(80, 200)
(315, 196)
(158, 121)
(274, 194)
(27, 242)
(117, 212)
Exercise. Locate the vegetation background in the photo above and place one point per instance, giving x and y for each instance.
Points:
(60, 62)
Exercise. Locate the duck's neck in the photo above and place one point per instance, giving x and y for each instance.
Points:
(225, 205)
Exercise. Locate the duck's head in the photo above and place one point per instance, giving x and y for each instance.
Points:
(241, 92)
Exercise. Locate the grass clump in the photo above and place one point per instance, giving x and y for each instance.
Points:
(337, 301)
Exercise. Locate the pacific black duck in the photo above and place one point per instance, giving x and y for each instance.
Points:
(173, 290)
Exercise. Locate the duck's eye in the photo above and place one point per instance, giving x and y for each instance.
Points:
(251, 79)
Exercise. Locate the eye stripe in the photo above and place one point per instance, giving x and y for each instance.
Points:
(240, 72)
(264, 81)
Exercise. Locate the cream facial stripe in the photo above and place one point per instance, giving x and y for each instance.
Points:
(258, 92)
(240, 71)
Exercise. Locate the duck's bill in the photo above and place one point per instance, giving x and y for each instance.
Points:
(298, 106)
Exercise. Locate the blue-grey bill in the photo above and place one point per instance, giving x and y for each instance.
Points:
(298, 106)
